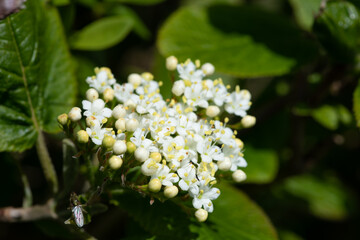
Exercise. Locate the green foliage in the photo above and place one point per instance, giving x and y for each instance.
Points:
(36, 76)
(102, 34)
(262, 165)
(138, 2)
(305, 12)
(357, 104)
(326, 198)
(234, 217)
(331, 116)
(338, 29)
(270, 46)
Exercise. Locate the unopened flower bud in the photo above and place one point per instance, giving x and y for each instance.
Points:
(212, 111)
(82, 136)
(201, 215)
(239, 175)
(131, 125)
(119, 147)
(109, 94)
(239, 143)
(171, 63)
(119, 111)
(63, 119)
(178, 88)
(248, 121)
(115, 162)
(75, 114)
(134, 79)
(156, 156)
(90, 121)
(130, 147)
(120, 124)
(147, 76)
(208, 68)
(225, 164)
(92, 94)
(130, 104)
(154, 185)
(141, 154)
(108, 141)
(171, 191)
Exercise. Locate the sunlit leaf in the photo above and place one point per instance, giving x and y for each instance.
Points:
(102, 34)
(305, 11)
(36, 75)
(242, 41)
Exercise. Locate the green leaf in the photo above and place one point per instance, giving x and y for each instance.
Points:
(327, 199)
(36, 76)
(305, 11)
(338, 29)
(102, 34)
(344, 115)
(357, 104)
(137, 2)
(269, 46)
(327, 116)
(262, 165)
(139, 27)
(235, 217)
(60, 2)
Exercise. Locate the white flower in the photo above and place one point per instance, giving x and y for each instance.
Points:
(178, 88)
(140, 140)
(97, 133)
(188, 176)
(165, 176)
(188, 71)
(123, 92)
(103, 79)
(196, 96)
(96, 109)
(203, 196)
(209, 151)
(236, 157)
(238, 102)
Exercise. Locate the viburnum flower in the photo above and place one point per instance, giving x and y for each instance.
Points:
(182, 145)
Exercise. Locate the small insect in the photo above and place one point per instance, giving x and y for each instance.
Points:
(77, 210)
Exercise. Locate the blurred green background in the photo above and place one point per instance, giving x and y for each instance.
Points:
(300, 59)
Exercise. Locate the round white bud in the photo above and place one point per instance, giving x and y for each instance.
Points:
(119, 147)
(63, 119)
(171, 63)
(148, 168)
(92, 94)
(131, 125)
(239, 143)
(130, 147)
(208, 68)
(115, 162)
(239, 176)
(108, 141)
(130, 104)
(82, 136)
(120, 124)
(75, 114)
(134, 79)
(141, 154)
(109, 94)
(225, 164)
(147, 76)
(154, 185)
(248, 121)
(212, 111)
(201, 215)
(119, 111)
(156, 156)
(178, 88)
(171, 191)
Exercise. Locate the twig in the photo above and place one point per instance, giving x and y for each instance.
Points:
(12, 214)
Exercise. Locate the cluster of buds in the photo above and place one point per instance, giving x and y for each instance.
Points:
(181, 144)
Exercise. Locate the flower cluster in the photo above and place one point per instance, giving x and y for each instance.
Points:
(180, 143)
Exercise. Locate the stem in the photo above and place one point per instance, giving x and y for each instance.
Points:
(27, 200)
(45, 161)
